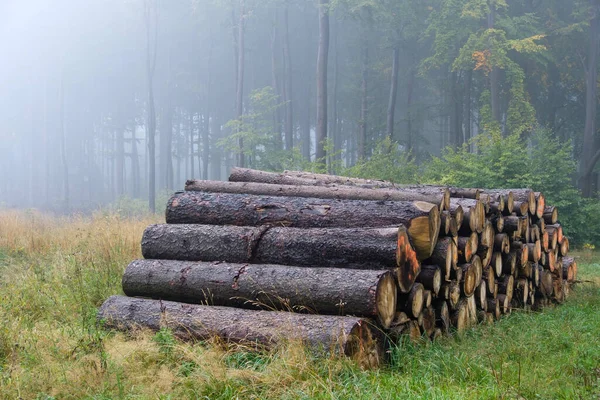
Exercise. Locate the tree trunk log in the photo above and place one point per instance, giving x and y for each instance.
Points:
(320, 192)
(350, 336)
(430, 277)
(550, 215)
(445, 255)
(299, 178)
(421, 219)
(412, 302)
(332, 291)
(473, 215)
(353, 248)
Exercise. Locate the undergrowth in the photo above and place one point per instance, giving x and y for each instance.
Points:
(55, 272)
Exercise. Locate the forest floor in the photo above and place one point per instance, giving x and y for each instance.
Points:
(55, 273)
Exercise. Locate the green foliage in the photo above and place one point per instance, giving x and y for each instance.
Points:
(541, 162)
(388, 162)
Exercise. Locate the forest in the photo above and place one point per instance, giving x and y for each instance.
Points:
(118, 103)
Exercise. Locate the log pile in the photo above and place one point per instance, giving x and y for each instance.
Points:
(342, 264)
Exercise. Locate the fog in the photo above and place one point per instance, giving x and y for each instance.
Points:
(76, 112)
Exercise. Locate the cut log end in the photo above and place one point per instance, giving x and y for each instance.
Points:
(386, 299)
(407, 262)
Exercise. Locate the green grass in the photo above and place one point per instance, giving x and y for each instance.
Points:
(54, 273)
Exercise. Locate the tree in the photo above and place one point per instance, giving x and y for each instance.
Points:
(151, 25)
(322, 58)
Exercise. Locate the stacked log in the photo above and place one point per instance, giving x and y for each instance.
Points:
(342, 264)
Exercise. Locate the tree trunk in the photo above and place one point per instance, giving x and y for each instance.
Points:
(151, 50)
(273, 287)
(329, 192)
(362, 138)
(591, 88)
(321, 131)
(421, 219)
(276, 89)
(63, 147)
(343, 335)
(120, 162)
(239, 103)
(385, 248)
(393, 93)
(287, 82)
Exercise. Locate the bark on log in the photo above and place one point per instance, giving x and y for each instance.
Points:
(496, 264)
(501, 243)
(512, 224)
(489, 276)
(509, 262)
(333, 291)
(540, 206)
(557, 230)
(460, 317)
(534, 251)
(473, 215)
(458, 213)
(493, 305)
(506, 285)
(298, 178)
(442, 314)
(498, 223)
(563, 246)
(412, 302)
(569, 269)
(504, 301)
(451, 292)
(506, 195)
(427, 321)
(521, 208)
(525, 195)
(445, 255)
(421, 219)
(350, 336)
(481, 295)
(448, 224)
(469, 279)
(330, 192)
(550, 215)
(374, 248)
(430, 277)
(467, 247)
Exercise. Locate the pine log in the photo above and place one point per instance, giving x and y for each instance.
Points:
(534, 251)
(521, 208)
(506, 285)
(535, 274)
(330, 192)
(478, 268)
(481, 295)
(521, 293)
(374, 248)
(427, 321)
(427, 298)
(467, 247)
(421, 219)
(546, 284)
(534, 234)
(412, 302)
(552, 237)
(496, 264)
(442, 314)
(541, 224)
(493, 305)
(557, 230)
(512, 224)
(522, 252)
(456, 274)
(498, 222)
(509, 262)
(506, 196)
(501, 243)
(545, 241)
(430, 277)
(550, 263)
(448, 224)
(540, 207)
(525, 195)
(334, 291)
(458, 213)
(445, 255)
(550, 215)
(469, 279)
(459, 318)
(563, 246)
(451, 292)
(569, 269)
(504, 301)
(559, 291)
(473, 215)
(349, 336)
(489, 276)
(472, 310)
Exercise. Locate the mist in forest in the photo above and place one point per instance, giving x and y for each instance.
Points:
(102, 100)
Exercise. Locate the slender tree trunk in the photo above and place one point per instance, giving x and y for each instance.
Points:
(494, 75)
(276, 91)
(46, 143)
(63, 146)
(120, 170)
(191, 142)
(409, 104)
(287, 58)
(135, 164)
(335, 134)
(467, 117)
(591, 102)
(239, 106)
(362, 138)
(393, 93)
(323, 52)
(151, 47)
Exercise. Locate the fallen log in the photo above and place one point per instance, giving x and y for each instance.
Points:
(349, 336)
(333, 291)
(330, 192)
(368, 248)
(421, 219)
